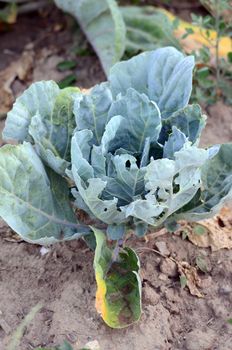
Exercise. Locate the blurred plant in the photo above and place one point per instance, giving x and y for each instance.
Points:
(8, 13)
(134, 29)
(213, 75)
(71, 78)
(103, 26)
(14, 7)
(147, 27)
(18, 334)
(66, 346)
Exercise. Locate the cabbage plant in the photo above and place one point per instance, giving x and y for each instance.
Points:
(126, 154)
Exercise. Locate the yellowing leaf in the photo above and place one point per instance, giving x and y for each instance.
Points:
(17, 69)
(118, 296)
(101, 296)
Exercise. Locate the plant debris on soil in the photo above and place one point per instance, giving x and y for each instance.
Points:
(63, 281)
(187, 284)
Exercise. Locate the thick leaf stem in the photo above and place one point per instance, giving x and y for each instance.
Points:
(116, 250)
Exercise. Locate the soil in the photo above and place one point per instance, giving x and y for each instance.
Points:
(63, 280)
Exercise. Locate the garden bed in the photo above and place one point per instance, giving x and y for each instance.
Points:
(63, 281)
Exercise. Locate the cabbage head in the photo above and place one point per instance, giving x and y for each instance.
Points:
(126, 153)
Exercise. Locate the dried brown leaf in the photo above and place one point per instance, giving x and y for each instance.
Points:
(18, 69)
(193, 281)
(218, 232)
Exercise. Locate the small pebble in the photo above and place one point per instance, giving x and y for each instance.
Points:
(162, 247)
(44, 251)
(93, 345)
(163, 277)
(162, 289)
(219, 310)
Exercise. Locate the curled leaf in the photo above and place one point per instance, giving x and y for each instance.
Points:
(189, 278)
(217, 232)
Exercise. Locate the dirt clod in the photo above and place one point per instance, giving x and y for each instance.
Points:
(168, 267)
(150, 295)
(200, 340)
(219, 310)
(206, 282)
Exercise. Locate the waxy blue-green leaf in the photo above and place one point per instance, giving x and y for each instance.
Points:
(44, 147)
(37, 99)
(141, 120)
(188, 120)
(103, 26)
(170, 80)
(164, 75)
(170, 185)
(216, 187)
(131, 166)
(175, 142)
(34, 204)
(92, 111)
(105, 210)
(116, 232)
(48, 124)
(188, 165)
(90, 188)
(128, 181)
(146, 210)
(132, 73)
(146, 152)
(115, 134)
(80, 154)
(98, 161)
(52, 134)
